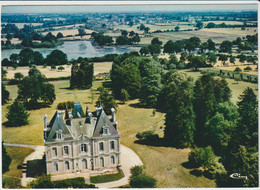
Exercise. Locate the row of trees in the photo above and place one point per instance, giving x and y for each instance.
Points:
(197, 114)
(28, 57)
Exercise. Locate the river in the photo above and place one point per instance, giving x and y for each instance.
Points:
(75, 49)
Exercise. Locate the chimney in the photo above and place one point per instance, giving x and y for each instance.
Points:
(45, 120)
(90, 117)
(113, 114)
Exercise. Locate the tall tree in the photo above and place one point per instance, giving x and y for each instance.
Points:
(56, 57)
(248, 122)
(179, 119)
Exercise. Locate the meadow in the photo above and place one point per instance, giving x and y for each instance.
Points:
(163, 163)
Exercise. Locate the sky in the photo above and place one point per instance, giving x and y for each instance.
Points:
(125, 8)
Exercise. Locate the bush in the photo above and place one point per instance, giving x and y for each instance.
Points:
(237, 69)
(143, 181)
(248, 68)
(78, 182)
(147, 135)
(62, 105)
(107, 177)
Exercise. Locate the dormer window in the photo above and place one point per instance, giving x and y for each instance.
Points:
(59, 135)
(105, 130)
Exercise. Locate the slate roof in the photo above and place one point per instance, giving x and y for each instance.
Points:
(78, 126)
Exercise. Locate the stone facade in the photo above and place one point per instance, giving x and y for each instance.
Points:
(78, 143)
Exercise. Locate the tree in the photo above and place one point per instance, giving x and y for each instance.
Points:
(61, 68)
(53, 67)
(199, 24)
(212, 58)
(142, 27)
(14, 58)
(226, 46)
(197, 62)
(27, 42)
(154, 49)
(59, 35)
(223, 57)
(146, 30)
(18, 76)
(6, 159)
(156, 41)
(232, 59)
(124, 33)
(26, 57)
(5, 94)
(56, 57)
(139, 179)
(248, 122)
(123, 40)
(107, 100)
(179, 119)
(177, 29)
(124, 95)
(144, 50)
(150, 71)
(248, 68)
(242, 58)
(237, 70)
(211, 25)
(208, 92)
(34, 88)
(211, 45)
(82, 75)
(17, 115)
(169, 47)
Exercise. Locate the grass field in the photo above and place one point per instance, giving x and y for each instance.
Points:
(163, 163)
(216, 34)
(12, 177)
(99, 67)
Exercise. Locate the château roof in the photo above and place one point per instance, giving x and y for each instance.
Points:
(75, 125)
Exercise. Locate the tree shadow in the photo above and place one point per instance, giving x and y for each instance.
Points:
(107, 84)
(159, 142)
(187, 165)
(138, 105)
(196, 172)
(7, 124)
(36, 167)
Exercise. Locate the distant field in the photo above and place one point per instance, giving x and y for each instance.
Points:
(49, 73)
(216, 34)
(67, 32)
(226, 22)
(232, 68)
(21, 25)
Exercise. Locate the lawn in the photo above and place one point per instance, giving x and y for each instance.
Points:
(12, 177)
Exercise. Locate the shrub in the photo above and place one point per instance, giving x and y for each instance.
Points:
(237, 69)
(147, 135)
(62, 105)
(137, 170)
(107, 177)
(248, 68)
(143, 181)
(78, 182)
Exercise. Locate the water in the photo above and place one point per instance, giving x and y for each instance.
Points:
(75, 49)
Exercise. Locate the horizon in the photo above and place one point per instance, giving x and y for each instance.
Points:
(70, 9)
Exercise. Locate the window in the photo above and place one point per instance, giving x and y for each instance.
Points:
(55, 167)
(112, 145)
(59, 134)
(67, 165)
(54, 151)
(102, 164)
(83, 147)
(105, 130)
(112, 160)
(101, 146)
(84, 164)
(66, 150)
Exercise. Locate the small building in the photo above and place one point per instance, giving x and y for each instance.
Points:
(80, 142)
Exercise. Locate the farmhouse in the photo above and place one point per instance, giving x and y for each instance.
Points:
(78, 142)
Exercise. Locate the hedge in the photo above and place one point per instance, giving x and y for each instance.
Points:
(107, 177)
(78, 182)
